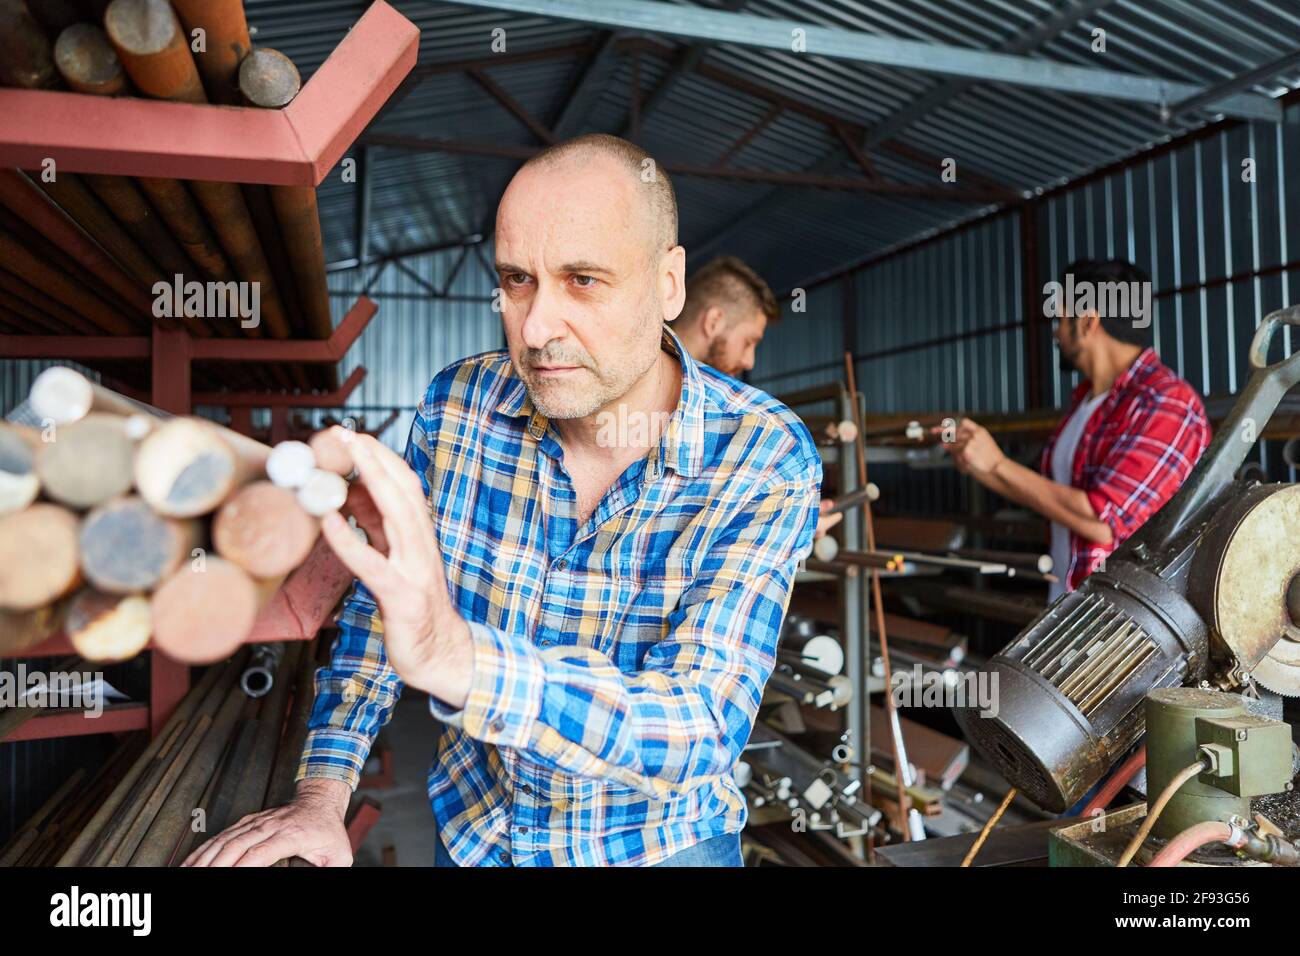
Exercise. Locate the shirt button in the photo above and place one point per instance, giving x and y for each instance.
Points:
(497, 726)
(526, 788)
(503, 856)
(523, 829)
(546, 642)
(561, 564)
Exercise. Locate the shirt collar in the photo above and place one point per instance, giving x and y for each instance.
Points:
(681, 447)
(1146, 360)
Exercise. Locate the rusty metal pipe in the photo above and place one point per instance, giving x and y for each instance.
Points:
(226, 35)
(152, 47)
(72, 194)
(87, 61)
(26, 58)
(99, 828)
(60, 286)
(19, 291)
(255, 775)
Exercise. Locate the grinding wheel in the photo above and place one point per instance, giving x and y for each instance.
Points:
(1246, 584)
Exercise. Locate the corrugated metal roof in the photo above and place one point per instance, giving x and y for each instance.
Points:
(1026, 138)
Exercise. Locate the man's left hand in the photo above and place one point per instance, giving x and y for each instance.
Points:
(422, 629)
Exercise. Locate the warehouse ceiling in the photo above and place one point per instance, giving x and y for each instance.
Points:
(458, 128)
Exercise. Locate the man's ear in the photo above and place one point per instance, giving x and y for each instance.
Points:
(712, 321)
(672, 282)
(1086, 323)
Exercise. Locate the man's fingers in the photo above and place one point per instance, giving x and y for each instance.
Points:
(393, 498)
(359, 558)
(271, 851)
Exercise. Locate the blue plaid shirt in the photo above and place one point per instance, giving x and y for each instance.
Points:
(619, 661)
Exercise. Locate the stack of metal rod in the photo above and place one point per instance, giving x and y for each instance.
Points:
(121, 526)
(224, 753)
(142, 231)
(809, 666)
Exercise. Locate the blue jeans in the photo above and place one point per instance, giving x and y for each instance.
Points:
(716, 851)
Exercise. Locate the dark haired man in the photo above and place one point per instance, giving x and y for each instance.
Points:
(1131, 434)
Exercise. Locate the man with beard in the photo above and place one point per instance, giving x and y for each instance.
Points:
(585, 561)
(1132, 432)
(728, 308)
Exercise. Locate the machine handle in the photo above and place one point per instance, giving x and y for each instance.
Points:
(1255, 406)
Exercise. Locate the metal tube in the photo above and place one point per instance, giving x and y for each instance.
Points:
(87, 61)
(264, 530)
(130, 784)
(280, 789)
(89, 462)
(58, 285)
(187, 467)
(255, 774)
(19, 483)
(108, 627)
(202, 614)
(38, 556)
(72, 194)
(151, 45)
(128, 548)
(228, 43)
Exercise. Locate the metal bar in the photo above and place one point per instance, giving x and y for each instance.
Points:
(296, 146)
(764, 121)
(512, 106)
(591, 81)
(75, 723)
(1242, 81)
(276, 400)
(857, 152)
(773, 176)
(653, 16)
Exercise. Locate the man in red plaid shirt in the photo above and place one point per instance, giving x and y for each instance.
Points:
(1130, 437)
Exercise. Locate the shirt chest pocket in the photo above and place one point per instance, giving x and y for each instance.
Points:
(646, 598)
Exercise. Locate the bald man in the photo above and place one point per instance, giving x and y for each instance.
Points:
(590, 548)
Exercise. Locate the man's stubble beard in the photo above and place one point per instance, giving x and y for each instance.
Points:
(568, 400)
(716, 356)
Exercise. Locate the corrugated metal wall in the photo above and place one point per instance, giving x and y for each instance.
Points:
(940, 325)
(414, 336)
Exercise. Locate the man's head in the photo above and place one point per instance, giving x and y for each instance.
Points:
(590, 269)
(1100, 325)
(727, 310)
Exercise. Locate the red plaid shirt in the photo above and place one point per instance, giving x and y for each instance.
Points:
(1135, 451)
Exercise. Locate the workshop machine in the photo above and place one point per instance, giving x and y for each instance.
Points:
(1206, 595)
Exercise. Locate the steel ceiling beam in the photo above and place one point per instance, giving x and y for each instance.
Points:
(717, 26)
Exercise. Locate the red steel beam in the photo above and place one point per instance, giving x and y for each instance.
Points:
(113, 720)
(285, 399)
(105, 347)
(296, 146)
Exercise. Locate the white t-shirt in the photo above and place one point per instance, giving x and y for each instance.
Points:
(1063, 471)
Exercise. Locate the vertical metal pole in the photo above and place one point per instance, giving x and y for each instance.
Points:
(169, 681)
(279, 424)
(853, 585)
(1031, 303)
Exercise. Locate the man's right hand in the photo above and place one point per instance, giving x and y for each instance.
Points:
(310, 826)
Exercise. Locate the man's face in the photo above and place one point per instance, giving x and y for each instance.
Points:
(731, 350)
(585, 288)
